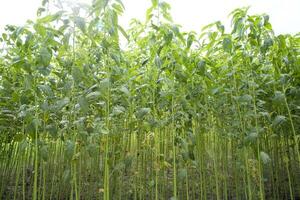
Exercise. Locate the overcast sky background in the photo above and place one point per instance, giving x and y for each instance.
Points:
(191, 14)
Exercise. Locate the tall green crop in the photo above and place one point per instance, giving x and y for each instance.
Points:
(89, 110)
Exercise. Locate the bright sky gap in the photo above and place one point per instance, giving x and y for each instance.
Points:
(191, 14)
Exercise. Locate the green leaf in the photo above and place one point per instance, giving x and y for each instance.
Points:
(168, 37)
(52, 130)
(77, 75)
(93, 96)
(265, 157)
(157, 61)
(36, 123)
(44, 152)
(80, 23)
(266, 45)
(45, 56)
(50, 18)
(125, 90)
(149, 14)
(46, 90)
(104, 84)
(181, 76)
(123, 32)
(245, 98)
(117, 110)
(28, 82)
(69, 149)
(201, 67)
(61, 103)
(142, 112)
(279, 120)
(154, 3)
(182, 174)
(252, 137)
(66, 176)
(190, 40)
(19, 137)
(44, 70)
(92, 149)
(227, 44)
(84, 105)
(279, 97)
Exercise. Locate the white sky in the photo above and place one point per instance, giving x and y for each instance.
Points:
(191, 14)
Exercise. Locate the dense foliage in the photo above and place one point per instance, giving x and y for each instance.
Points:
(168, 115)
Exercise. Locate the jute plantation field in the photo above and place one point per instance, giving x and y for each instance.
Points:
(170, 115)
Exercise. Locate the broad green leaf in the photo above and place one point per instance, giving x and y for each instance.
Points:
(182, 174)
(45, 56)
(36, 123)
(117, 110)
(265, 157)
(278, 98)
(142, 112)
(46, 90)
(245, 98)
(279, 120)
(105, 84)
(125, 90)
(201, 67)
(61, 103)
(252, 137)
(227, 44)
(93, 95)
